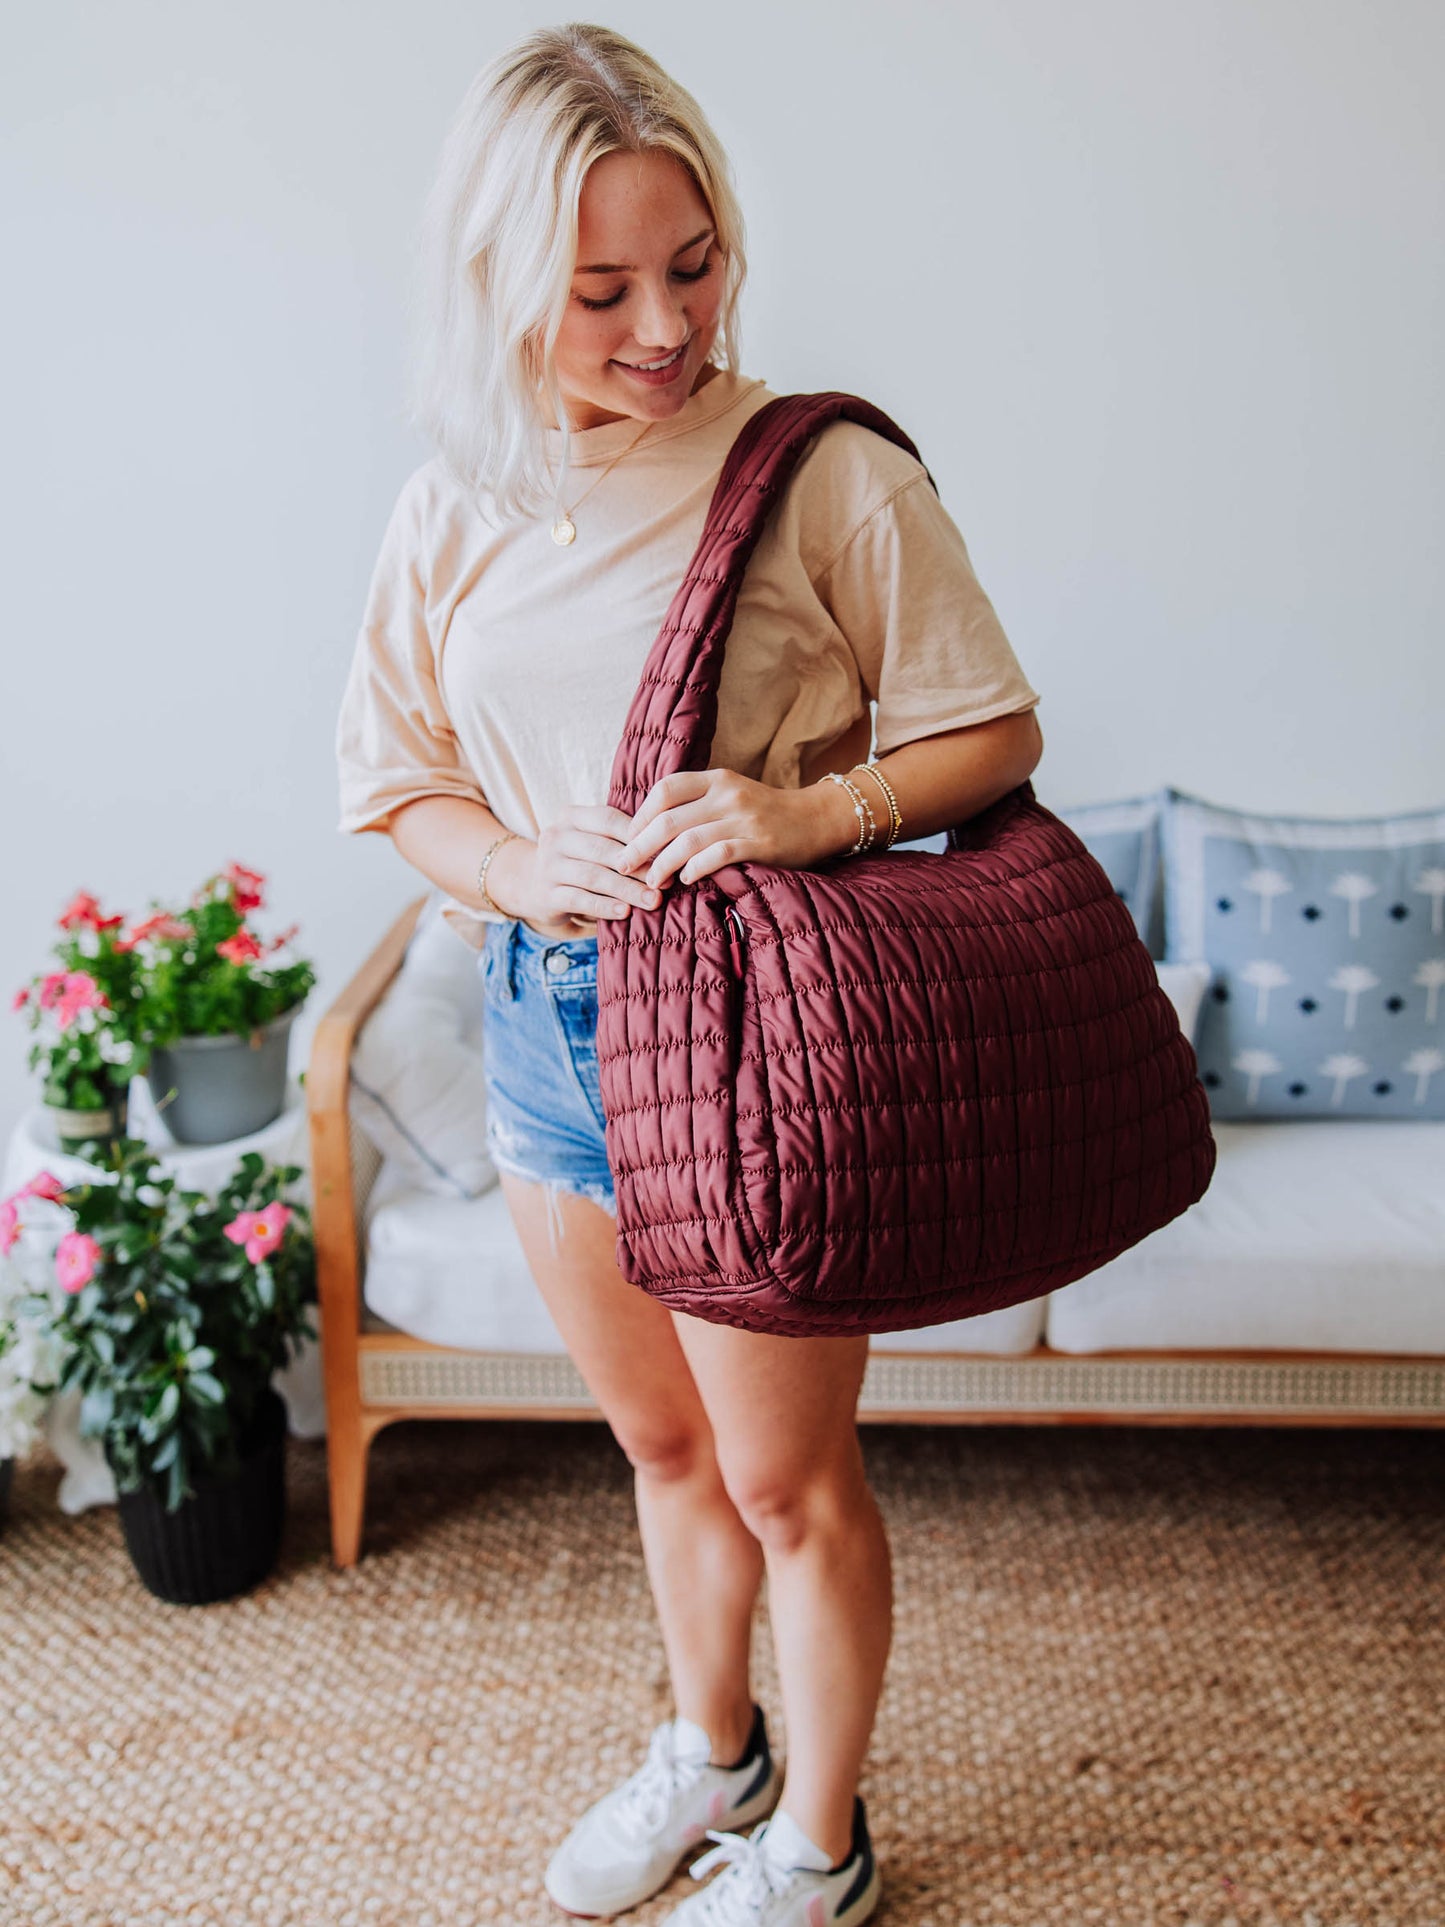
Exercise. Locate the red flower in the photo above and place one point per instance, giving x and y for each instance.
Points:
(246, 887)
(22, 997)
(159, 925)
(240, 949)
(82, 908)
(285, 936)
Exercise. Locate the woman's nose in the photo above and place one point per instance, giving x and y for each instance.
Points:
(661, 324)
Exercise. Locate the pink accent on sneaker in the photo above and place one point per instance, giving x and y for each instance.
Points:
(717, 1806)
(816, 1916)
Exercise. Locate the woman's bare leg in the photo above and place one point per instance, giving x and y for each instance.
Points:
(704, 1565)
(782, 1415)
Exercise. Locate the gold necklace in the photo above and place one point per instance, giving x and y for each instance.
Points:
(564, 529)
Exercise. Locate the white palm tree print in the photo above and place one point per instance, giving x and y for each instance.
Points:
(1267, 884)
(1430, 976)
(1422, 1065)
(1265, 975)
(1342, 1067)
(1353, 979)
(1431, 883)
(1255, 1064)
(1354, 886)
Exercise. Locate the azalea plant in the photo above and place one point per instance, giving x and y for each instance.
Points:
(205, 970)
(174, 1308)
(93, 1013)
(31, 1298)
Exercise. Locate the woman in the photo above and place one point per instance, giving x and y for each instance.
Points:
(579, 374)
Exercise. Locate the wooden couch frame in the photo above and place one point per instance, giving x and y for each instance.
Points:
(375, 1375)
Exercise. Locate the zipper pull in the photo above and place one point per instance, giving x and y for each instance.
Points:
(737, 938)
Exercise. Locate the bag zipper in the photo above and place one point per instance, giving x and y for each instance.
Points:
(737, 938)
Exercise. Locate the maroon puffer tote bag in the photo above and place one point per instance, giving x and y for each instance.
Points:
(899, 1088)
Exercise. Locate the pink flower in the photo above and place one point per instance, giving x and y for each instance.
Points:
(51, 989)
(259, 1231)
(76, 1257)
(21, 997)
(285, 936)
(240, 949)
(79, 992)
(246, 887)
(44, 1184)
(9, 1224)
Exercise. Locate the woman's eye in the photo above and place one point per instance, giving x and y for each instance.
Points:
(679, 274)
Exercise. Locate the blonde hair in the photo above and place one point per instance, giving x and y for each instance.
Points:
(498, 245)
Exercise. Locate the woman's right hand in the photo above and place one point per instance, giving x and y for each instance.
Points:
(568, 879)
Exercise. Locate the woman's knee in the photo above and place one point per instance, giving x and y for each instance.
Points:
(784, 1501)
(666, 1446)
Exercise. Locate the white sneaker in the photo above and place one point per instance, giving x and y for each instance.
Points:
(778, 1878)
(631, 1841)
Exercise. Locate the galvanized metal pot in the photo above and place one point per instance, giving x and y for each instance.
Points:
(224, 1087)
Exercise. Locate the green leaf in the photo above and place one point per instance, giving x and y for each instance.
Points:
(96, 1409)
(206, 1388)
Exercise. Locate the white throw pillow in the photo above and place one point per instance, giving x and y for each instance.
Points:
(417, 1089)
(1184, 984)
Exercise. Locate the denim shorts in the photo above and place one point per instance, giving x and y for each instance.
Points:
(539, 1058)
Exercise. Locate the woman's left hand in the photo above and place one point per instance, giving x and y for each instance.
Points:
(695, 821)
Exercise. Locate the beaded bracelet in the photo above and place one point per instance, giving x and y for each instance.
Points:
(862, 809)
(887, 788)
(482, 891)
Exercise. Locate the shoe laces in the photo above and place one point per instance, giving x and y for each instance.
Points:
(645, 1800)
(751, 1880)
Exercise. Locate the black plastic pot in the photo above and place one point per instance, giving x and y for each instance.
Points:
(224, 1538)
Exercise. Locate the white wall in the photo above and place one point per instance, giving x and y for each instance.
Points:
(1157, 290)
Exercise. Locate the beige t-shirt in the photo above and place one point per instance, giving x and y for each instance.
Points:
(494, 664)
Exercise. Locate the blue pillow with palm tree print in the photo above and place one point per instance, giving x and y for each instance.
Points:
(1326, 936)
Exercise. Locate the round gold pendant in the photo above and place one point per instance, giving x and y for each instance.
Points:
(564, 531)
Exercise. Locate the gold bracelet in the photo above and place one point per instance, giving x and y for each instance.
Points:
(887, 788)
(862, 809)
(488, 902)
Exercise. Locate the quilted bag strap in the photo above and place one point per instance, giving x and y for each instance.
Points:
(673, 717)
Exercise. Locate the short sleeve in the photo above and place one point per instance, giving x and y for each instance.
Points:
(394, 739)
(931, 652)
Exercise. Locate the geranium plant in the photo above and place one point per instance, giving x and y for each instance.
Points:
(93, 1012)
(205, 971)
(176, 1308)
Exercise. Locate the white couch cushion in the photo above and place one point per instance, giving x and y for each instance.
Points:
(416, 1071)
(1314, 1235)
(451, 1270)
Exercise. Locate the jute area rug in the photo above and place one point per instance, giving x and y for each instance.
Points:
(1139, 1676)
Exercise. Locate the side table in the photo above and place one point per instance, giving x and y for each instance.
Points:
(33, 1148)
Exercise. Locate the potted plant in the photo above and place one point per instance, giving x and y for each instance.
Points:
(176, 1310)
(93, 1019)
(220, 1004)
(31, 1349)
